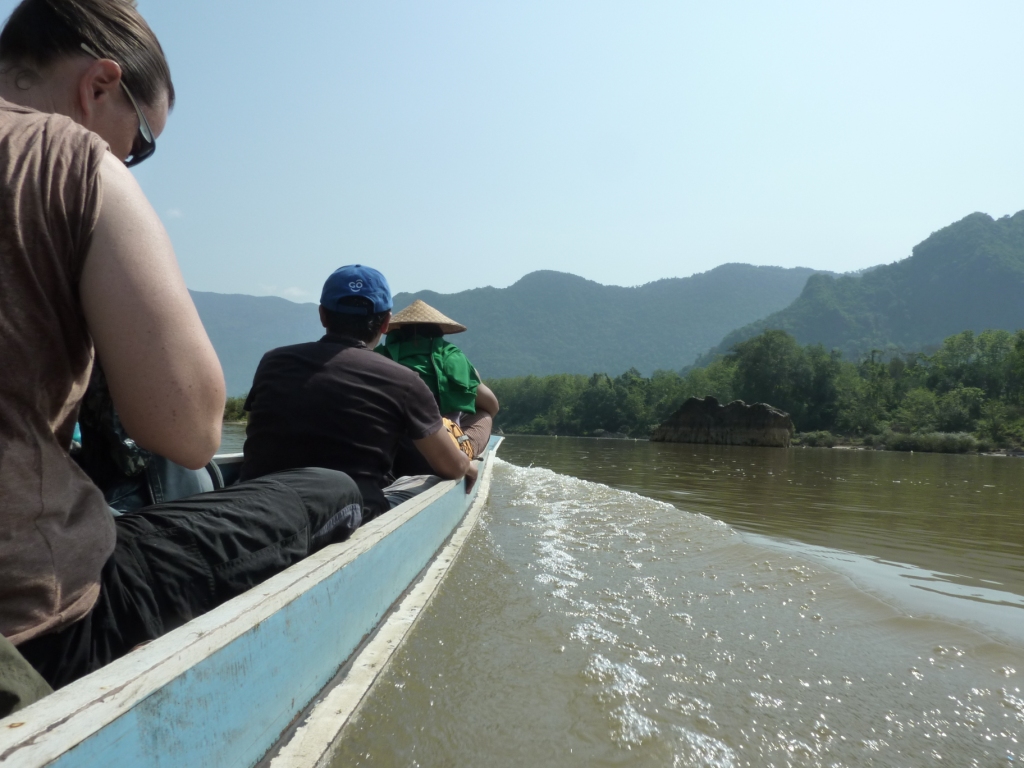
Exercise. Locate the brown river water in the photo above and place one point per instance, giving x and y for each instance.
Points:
(633, 603)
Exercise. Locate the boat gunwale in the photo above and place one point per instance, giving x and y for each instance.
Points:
(51, 727)
(312, 740)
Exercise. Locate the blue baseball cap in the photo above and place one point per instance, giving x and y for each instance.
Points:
(356, 280)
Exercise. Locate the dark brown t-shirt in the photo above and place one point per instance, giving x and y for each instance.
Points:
(56, 531)
(334, 403)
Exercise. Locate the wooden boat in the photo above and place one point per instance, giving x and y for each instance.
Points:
(271, 677)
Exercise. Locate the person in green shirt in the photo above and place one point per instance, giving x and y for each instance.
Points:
(416, 340)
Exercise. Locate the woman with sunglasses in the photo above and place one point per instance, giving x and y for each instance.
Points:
(87, 271)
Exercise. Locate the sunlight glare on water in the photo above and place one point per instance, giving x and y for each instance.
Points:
(584, 625)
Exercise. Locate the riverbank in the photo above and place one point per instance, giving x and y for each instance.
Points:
(932, 442)
(927, 442)
(973, 384)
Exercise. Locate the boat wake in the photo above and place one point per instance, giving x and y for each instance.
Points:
(717, 650)
(584, 625)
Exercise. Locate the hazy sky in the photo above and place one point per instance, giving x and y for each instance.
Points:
(454, 145)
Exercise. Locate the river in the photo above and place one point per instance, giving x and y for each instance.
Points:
(630, 603)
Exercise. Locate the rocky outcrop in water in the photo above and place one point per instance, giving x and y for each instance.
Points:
(707, 421)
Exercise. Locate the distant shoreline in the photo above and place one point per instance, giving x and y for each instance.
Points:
(998, 453)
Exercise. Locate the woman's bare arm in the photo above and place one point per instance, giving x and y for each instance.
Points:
(164, 376)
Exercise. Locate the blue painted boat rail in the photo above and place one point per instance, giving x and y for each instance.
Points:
(220, 690)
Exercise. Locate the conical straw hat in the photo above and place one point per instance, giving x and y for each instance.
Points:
(421, 312)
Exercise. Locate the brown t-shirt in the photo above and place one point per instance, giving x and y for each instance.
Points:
(55, 529)
(335, 404)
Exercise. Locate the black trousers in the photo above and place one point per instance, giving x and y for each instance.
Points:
(177, 560)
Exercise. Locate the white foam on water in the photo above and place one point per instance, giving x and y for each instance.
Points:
(592, 632)
(634, 728)
(696, 749)
(727, 649)
(585, 625)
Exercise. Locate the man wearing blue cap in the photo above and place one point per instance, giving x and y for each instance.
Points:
(333, 403)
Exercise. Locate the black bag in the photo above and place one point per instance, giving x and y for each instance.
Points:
(129, 476)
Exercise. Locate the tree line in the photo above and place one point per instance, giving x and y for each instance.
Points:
(970, 389)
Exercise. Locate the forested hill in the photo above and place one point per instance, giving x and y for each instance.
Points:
(548, 322)
(243, 327)
(967, 276)
(552, 322)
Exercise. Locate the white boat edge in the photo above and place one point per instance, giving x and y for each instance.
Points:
(222, 689)
(314, 743)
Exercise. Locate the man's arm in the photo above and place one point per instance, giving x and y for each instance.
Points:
(164, 376)
(486, 400)
(445, 459)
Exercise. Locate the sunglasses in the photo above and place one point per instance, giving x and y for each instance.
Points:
(144, 144)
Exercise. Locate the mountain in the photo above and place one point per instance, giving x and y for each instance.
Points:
(547, 322)
(243, 327)
(552, 322)
(969, 275)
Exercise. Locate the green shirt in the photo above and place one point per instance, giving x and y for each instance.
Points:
(443, 367)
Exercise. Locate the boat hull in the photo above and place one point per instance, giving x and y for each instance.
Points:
(222, 689)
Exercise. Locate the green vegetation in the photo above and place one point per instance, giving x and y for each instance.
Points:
(629, 404)
(968, 395)
(932, 442)
(233, 410)
(967, 275)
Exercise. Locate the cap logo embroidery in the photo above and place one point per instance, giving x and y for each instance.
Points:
(356, 285)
